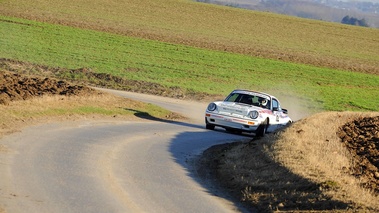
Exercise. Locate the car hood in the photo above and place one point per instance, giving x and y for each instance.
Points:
(235, 109)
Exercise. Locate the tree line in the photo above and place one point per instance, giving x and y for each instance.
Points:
(354, 21)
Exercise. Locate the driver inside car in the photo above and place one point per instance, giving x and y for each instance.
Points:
(264, 103)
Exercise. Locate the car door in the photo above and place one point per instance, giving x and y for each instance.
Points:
(277, 111)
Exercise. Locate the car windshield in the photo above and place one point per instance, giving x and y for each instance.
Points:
(250, 99)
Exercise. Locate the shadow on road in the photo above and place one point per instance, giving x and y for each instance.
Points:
(279, 189)
(147, 116)
(272, 186)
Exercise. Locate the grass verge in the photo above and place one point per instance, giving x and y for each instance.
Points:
(48, 109)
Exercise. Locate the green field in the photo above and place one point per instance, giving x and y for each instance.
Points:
(213, 27)
(202, 69)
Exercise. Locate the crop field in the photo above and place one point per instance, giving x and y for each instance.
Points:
(215, 27)
(200, 48)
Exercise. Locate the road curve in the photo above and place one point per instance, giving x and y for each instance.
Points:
(111, 166)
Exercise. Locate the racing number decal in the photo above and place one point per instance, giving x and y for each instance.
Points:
(277, 118)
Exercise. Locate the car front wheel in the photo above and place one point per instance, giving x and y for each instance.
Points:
(261, 131)
(210, 126)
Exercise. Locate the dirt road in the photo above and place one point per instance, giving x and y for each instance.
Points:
(111, 166)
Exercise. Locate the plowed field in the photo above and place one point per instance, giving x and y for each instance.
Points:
(361, 137)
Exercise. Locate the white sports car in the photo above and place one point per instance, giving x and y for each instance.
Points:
(247, 111)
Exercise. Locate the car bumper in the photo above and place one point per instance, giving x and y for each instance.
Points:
(246, 125)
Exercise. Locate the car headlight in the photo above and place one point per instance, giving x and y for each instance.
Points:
(212, 107)
(253, 114)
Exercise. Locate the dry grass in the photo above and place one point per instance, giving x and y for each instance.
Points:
(301, 169)
(45, 109)
(312, 149)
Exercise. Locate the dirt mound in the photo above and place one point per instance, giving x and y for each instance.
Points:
(361, 137)
(14, 87)
(105, 80)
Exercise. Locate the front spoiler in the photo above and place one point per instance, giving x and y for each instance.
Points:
(228, 122)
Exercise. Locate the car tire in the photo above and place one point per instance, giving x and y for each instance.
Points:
(261, 131)
(210, 126)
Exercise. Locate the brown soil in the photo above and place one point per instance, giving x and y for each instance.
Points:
(15, 87)
(361, 137)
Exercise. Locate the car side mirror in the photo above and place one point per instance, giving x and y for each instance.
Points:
(285, 111)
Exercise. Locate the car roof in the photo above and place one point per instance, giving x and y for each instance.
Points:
(252, 92)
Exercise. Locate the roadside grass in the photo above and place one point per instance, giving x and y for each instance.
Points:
(215, 27)
(19, 114)
(303, 168)
(323, 151)
(189, 68)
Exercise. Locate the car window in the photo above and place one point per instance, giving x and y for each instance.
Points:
(232, 97)
(246, 99)
(255, 101)
(276, 105)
